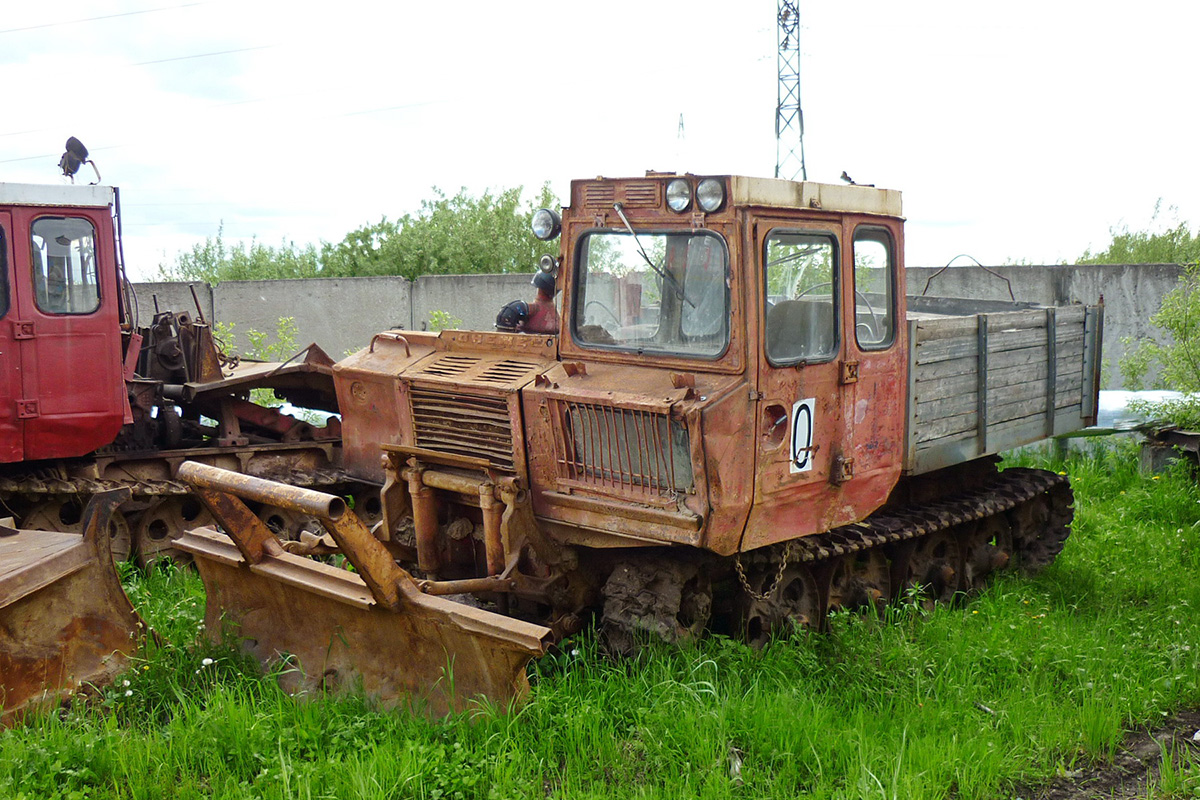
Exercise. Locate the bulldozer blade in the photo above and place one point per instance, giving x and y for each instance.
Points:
(372, 630)
(64, 619)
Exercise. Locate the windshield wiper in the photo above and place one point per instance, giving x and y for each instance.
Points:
(666, 276)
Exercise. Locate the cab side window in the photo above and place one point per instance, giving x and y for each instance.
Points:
(802, 287)
(874, 295)
(65, 279)
(4, 292)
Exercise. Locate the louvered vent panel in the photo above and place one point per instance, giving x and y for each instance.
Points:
(449, 366)
(598, 194)
(506, 371)
(642, 194)
(465, 425)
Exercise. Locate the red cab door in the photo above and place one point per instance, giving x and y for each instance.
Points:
(73, 392)
(803, 419)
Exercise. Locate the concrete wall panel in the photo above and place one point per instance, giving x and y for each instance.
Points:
(174, 297)
(342, 314)
(339, 314)
(475, 299)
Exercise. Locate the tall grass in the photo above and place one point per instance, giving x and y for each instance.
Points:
(1029, 678)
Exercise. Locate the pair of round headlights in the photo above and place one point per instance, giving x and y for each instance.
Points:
(710, 195)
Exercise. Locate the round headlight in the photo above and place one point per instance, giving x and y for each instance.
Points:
(546, 224)
(710, 194)
(679, 195)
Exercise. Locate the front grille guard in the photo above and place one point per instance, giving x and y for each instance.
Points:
(634, 453)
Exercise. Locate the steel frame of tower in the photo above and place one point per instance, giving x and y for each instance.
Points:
(789, 118)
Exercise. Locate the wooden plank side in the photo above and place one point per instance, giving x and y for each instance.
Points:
(1020, 432)
(950, 438)
(934, 370)
(1024, 338)
(944, 400)
(1001, 380)
(1020, 344)
(946, 349)
(945, 426)
(929, 411)
(930, 330)
(1016, 410)
(1070, 315)
(1016, 320)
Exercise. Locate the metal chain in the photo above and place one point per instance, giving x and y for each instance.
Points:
(765, 596)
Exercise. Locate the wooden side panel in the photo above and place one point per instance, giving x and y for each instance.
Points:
(992, 382)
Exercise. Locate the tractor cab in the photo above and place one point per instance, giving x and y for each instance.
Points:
(62, 392)
(759, 319)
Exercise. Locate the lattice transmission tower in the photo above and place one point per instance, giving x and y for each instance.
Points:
(789, 118)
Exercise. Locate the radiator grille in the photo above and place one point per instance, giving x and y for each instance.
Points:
(638, 453)
(479, 427)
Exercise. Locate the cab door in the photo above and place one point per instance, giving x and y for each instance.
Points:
(72, 386)
(11, 441)
(803, 421)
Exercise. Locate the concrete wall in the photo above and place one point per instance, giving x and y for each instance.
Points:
(341, 314)
(172, 297)
(475, 299)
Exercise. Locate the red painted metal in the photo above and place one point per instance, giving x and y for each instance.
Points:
(71, 365)
(12, 443)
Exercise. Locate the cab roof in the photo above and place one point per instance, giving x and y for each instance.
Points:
(37, 194)
(741, 191)
(773, 192)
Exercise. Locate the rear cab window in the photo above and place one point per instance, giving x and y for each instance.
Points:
(874, 294)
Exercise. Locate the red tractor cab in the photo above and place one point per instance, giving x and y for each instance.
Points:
(62, 389)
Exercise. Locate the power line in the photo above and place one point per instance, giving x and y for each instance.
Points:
(202, 55)
(96, 19)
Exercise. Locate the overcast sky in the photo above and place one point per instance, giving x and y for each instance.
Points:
(1019, 131)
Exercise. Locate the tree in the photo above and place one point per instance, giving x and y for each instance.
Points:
(448, 235)
(215, 261)
(1177, 356)
(1175, 245)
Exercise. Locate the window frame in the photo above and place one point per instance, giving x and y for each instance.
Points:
(834, 238)
(889, 242)
(579, 285)
(35, 259)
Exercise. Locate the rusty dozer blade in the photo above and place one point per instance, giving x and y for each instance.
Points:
(64, 618)
(372, 630)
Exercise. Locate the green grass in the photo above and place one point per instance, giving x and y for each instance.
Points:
(1028, 679)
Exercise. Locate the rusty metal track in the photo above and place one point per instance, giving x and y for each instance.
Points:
(640, 603)
(1011, 488)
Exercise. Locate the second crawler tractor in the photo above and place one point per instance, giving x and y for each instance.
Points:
(742, 424)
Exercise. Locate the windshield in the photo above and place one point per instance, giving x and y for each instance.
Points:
(674, 299)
